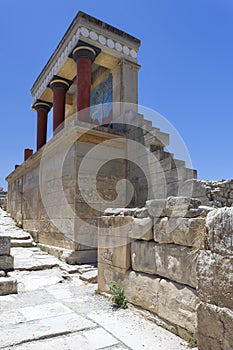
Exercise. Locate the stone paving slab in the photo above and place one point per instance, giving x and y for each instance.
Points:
(136, 332)
(32, 280)
(90, 340)
(33, 259)
(45, 327)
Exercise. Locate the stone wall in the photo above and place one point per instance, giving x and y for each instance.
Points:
(215, 283)
(174, 259)
(3, 199)
(8, 285)
(217, 194)
(151, 251)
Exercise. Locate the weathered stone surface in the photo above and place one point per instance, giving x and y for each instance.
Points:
(215, 327)
(182, 207)
(182, 231)
(170, 301)
(108, 274)
(176, 263)
(219, 224)
(90, 276)
(5, 245)
(114, 250)
(143, 257)
(141, 213)
(177, 304)
(142, 229)
(6, 262)
(8, 285)
(156, 207)
(166, 260)
(215, 278)
(142, 290)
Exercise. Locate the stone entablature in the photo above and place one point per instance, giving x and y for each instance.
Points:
(115, 45)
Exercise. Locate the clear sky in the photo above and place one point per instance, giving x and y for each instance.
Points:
(186, 75)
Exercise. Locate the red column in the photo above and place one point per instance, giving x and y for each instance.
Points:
(83, 56)
(59, 86)
(42, 109)
(27, 153)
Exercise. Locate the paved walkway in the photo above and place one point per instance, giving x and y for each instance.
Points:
(56, 309)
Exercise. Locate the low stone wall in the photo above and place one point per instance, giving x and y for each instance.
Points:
(151, 252)
(214, 193)
(162, 253)
(8, 285)
(215, 283)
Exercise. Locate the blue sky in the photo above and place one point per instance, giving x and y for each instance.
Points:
(186, 75)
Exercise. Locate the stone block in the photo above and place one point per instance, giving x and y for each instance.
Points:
(5, 245)
(117, 226)
(77, 257)
(170, 301)
(182, 207)
(176, 263)
(8, 285)
(215, 327)
(156, 207)
(219, 224)
(114, 250)
(177, 304)
(6, 263)
(142, 290)
(143, 257)
(188, 232)
(108, 274)
(142, 229)
(215, 278)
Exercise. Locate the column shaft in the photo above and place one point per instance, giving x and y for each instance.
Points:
(59, 86)
(42, 117)
(59, 98)
(83, 83)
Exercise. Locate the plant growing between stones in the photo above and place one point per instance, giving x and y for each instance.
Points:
(97, 291)
(118, 297)
(192, 340)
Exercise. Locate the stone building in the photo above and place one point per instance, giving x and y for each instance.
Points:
(91, 83)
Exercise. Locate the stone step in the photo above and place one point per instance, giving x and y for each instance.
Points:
(8, 285)
(22, 243)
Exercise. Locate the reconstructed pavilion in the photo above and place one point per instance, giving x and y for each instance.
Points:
(91, 84)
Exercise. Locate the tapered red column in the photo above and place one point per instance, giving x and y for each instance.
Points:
(83, 56)
(59, 86)
(42, 108)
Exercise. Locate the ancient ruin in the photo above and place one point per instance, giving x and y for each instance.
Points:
(105, 189)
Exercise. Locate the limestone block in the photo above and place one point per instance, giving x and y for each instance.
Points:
(142, 229)
(143, 257)
(114, 250)
(219, 224)
(6, 262)
(177, 304)
(156, 207)
(118, 226)
(176, 263)
(182, 207)
(108, 274)
(142, 290)
(80, 257)
(215, 278)
(5, 245)
(183, 231)
(215, 327)
(8, 285)
(141, 213)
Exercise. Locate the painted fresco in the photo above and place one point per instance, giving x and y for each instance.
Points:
(101, 102)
